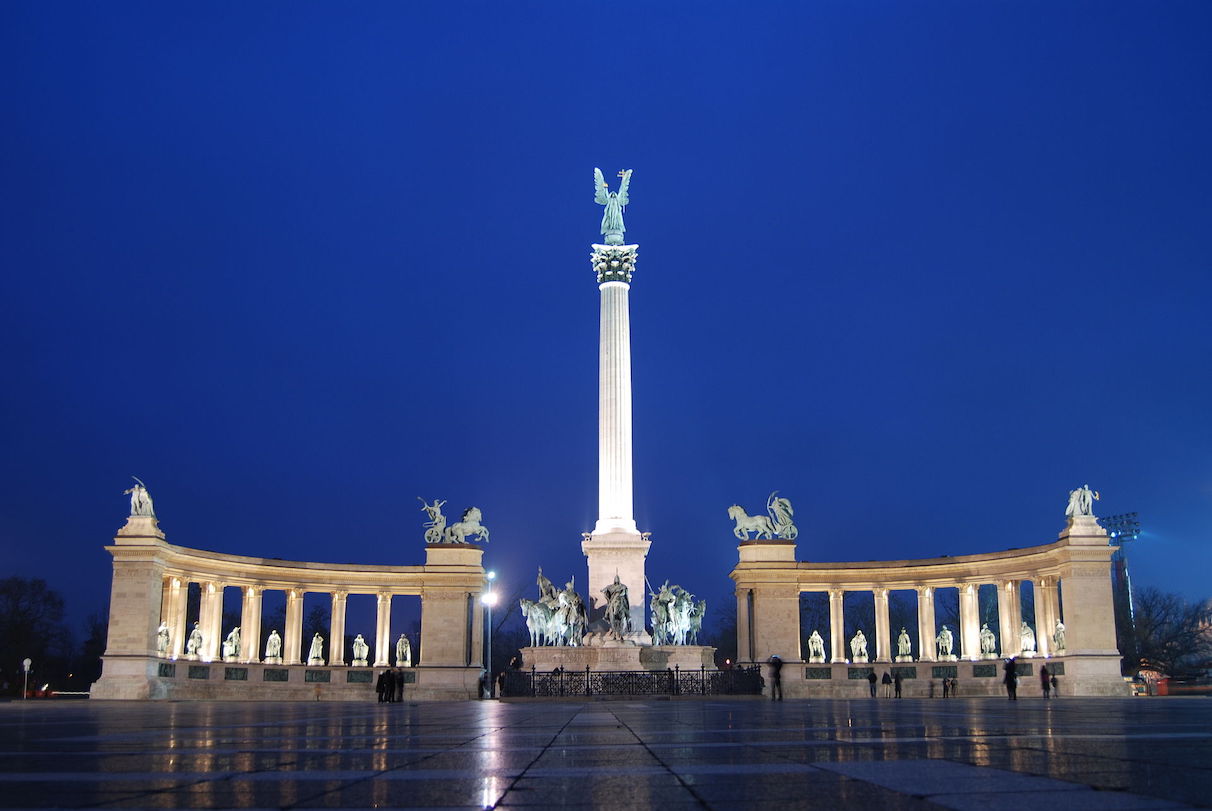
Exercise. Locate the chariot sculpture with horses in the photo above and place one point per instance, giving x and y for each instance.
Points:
(776, 524)
(436, 530)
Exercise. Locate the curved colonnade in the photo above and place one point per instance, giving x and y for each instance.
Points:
(769, 582)
(151, 585)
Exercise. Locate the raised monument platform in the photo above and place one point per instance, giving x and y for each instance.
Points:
(619, 657)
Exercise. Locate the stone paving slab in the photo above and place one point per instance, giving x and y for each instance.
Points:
(973, 753)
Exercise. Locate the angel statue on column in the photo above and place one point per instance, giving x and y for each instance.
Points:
(615, 202)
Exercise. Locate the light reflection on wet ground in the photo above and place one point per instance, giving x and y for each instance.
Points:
(960, 753)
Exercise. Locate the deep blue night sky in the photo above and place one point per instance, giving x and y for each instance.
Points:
(922, 267)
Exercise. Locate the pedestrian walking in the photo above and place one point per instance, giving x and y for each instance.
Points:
(871, 680)
(887, 682)
(896, 682)
(389, 686)
(1045, 682)
(1010, 679)
(776, 678)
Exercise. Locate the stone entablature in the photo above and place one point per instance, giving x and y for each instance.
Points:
(769, 581)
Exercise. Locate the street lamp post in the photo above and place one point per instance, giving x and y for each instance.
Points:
(25, 665)
(490, 599)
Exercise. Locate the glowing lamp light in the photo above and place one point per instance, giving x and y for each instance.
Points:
(489, 598)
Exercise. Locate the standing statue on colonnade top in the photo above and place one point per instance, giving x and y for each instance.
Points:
(777, 524)
(1081, 501)
(612, 218)
(140, 499)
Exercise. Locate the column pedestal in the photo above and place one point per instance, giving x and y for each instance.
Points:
(621, 553)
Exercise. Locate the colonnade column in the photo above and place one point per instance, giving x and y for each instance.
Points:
(178, 593)
(1046, 593)
(293, 642)
(883, 636)
(250, 624)
(383, 631)
(837, 626)
(336, 645)
(211, 620)
(1043, 632)
(925, 623)
(1007, 631)
(969, 621)
(1015, 589)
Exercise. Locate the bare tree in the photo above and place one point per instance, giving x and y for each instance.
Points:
(1172, 635)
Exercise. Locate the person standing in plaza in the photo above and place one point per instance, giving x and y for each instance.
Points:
(896, 683)
(1010, 679)
(1045, 682)
(389, 686)
(400, 684)
(380, 685)
(871, 680)
(1055, 686)
(776, 678)
(887, 682)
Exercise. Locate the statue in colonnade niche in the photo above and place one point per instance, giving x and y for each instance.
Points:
(231, 645)
(618, 608)
(162, 637)
(858, 647)
(1081, 501)
(360, 651)
(194, 643)
(777, 524)
(945, 642)
(988, 643)
(1027, 636)
(316, 655)
(904, 647)
(403, 652)
(273, 648)
(140, 499)
(1058, 637)
(816, 647)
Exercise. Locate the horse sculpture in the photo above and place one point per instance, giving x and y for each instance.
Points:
(469, 526)
(746, 523)
(538, 621)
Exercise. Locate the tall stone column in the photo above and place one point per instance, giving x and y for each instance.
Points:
(336, 646)
(1047, 598)
(383, 631)
(211, 620)
(615, 547)
(925, 624)
(178, 594)
(745, 651)
(292, 641)
(837, 626)
(1008, 637)
(250, 624)
(883, 634)
(1043, 628)
(970, 633)
(1016, 612)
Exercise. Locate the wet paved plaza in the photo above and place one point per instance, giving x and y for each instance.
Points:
(977, 753)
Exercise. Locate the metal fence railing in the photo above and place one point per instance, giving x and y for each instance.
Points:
(556, 683)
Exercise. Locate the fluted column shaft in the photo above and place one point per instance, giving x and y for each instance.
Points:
(336, 645)
(211, 616)
(837, 626)
(383, 631)
(250, 624)
(614, 412)
(292, 642)
(178, 595)
(970, 633)
(925, 624)
(883, 634)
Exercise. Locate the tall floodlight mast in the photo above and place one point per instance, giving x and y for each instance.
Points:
(615, 546)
